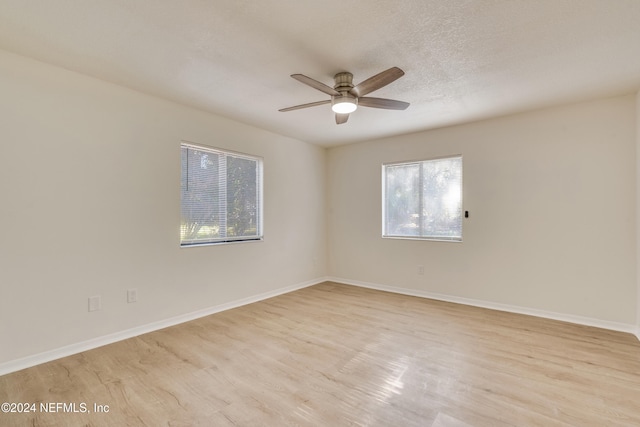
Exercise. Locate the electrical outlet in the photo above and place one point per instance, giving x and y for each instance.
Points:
(95, 303)
(421, 270)
(132, 295)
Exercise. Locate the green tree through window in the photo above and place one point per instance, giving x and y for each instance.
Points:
(220, 196)
(423, 199)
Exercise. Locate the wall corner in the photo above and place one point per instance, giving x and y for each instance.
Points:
(637, 116)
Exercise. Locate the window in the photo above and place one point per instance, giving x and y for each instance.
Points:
(423, 199)
(221, 196)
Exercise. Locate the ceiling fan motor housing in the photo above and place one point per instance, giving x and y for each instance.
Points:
(346, 102)
(344, 82)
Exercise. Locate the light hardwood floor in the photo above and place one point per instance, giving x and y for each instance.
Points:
(337, 355)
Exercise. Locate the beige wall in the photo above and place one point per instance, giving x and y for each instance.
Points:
(551, 196)
(90, 205)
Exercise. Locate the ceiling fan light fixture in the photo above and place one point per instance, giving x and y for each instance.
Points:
(344, 104)
(345, 97)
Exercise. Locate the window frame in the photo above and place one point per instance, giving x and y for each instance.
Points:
(435, 238)
(190, 243)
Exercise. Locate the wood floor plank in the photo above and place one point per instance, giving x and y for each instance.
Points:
(337, 355)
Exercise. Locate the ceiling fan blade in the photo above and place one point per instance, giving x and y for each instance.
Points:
(311, 104)
(341, 118)
(315, 84)
(387, 104)
(377, 81)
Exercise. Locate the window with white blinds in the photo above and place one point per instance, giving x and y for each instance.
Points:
(220, 196)
(423, 199)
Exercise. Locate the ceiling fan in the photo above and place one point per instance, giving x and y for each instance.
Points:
(345, 97)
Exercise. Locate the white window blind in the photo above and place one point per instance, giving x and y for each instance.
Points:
(423, 199)
(221, 196)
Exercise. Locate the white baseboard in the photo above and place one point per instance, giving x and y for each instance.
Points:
(580, 320)
(47, 356)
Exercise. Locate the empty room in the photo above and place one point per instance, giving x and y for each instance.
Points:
(319, 213)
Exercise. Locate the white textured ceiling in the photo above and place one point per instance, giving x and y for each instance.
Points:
(464, 60)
